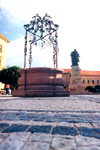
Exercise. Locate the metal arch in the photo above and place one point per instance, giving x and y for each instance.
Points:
(41, 28)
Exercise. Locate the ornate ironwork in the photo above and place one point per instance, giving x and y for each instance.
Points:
(42, 31)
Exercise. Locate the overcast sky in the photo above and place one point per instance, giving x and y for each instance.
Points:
(79, 28)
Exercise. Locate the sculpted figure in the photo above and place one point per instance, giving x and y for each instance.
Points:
(75, 58)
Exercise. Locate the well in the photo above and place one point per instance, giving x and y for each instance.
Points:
(40, 82)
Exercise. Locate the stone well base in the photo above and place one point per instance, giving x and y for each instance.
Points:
(40, 82)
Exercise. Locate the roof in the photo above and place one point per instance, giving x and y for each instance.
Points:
(4, 38)
(84, 72)
(66, 70)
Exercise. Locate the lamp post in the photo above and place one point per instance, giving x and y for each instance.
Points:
(25, 50)
(41, 31)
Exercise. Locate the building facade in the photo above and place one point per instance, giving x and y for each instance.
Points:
(88, 78)
(3, 45)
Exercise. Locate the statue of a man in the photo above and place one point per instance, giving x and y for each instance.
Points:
(75, 58)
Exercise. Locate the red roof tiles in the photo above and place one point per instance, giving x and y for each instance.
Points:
(85, 72)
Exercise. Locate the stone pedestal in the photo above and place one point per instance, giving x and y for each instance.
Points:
(39, 82)
(76, 86)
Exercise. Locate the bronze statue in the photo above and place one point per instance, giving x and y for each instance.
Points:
(75, 58)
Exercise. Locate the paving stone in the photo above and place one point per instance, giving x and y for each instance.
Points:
(3, 136)
(15, 128)
(14, 142)
(96, 125)
(40, 137)
(63, 143)
(86, 125)
(64, 136)
(53, 124)
(64, 130)
(39, 119)
(70, 120)
(89, 148)
(52, 119)
(36, 146)
(40, 129)
(20, 136)
(87, 141)
(11, 145)
(3, 126)
(65, 124)
(89, 132)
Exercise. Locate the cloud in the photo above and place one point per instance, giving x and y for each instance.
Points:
(5, 32)
(15, 55)
(19, 11)
(43, 57)
(11, 10)
(79, 27)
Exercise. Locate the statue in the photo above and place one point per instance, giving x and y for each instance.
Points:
(75, 58)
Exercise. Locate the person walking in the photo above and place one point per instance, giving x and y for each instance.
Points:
(7, 89)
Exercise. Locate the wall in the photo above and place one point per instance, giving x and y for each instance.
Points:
(90, 80)
(3, 43)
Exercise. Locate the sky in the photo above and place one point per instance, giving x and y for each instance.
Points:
(79, 28)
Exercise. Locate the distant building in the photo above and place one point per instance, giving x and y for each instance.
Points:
(88, 78)
(3, 44)
(67, 78)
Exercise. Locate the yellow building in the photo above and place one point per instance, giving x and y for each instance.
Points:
(88, 78)
(3, 45)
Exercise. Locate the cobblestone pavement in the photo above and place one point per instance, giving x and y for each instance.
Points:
(50, 123)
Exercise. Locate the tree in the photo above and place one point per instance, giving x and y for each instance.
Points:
(91, 89)
(10, 76)
(97, 87)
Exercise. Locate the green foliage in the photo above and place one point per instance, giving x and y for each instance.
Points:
(10, 76)
(92, 89)
(88, 88)
(97, 87)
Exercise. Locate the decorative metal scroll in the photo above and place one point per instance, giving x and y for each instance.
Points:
(41, 31)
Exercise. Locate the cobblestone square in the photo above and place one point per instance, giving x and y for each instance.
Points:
(50, 123)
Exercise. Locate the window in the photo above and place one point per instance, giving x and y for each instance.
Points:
(66, 79)
(0, 48)
(88, 81)
(83, 81)
(93, 81)
(97, 81)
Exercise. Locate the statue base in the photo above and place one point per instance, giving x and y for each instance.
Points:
(76, 86)
(40, 82)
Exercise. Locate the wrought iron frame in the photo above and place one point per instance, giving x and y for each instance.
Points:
(41, 28)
